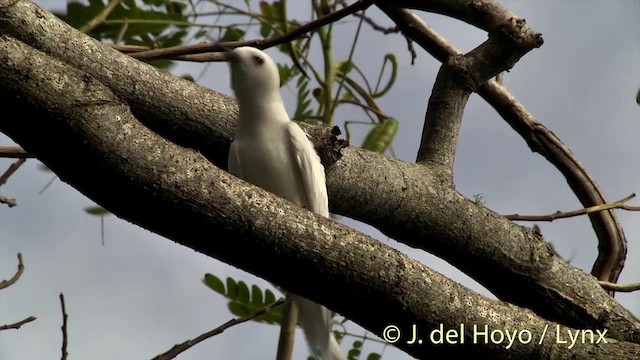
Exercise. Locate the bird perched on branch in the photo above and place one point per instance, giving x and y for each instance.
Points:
(273, 152)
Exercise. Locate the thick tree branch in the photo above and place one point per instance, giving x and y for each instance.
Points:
(178, 194)
(483, 14)
(414, 206)
(459, 76)
(612, 245)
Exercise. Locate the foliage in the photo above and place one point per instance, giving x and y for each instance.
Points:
(244, 301)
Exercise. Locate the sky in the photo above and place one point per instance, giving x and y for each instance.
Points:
(139, 294)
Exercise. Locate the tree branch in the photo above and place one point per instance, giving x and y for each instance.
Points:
(15, 152)
(459, 76)
(180, 348)
(12, 169)
(612, 247)
(508, 259)
(620, 287)
(563, 215)
(63, 328)
(18, 324)
(483, 14)
(186, 50)
(6, 283)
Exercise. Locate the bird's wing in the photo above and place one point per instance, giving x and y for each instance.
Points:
(234, 160)
(309, 170)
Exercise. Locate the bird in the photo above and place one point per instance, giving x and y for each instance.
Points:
(271, 151)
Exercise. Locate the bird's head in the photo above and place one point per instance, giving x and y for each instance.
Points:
(254, 75)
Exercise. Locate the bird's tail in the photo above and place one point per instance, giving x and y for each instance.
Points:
(317, 322)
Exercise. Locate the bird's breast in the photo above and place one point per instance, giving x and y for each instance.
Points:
(266, 162)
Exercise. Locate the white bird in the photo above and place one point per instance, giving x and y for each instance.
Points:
(273, 152)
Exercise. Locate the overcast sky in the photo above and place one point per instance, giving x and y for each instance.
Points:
(140, 294)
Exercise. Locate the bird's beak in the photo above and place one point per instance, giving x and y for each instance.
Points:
(230, 56)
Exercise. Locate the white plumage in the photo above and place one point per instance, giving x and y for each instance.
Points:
(273, 152)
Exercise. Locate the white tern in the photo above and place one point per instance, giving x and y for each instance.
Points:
(273, 152)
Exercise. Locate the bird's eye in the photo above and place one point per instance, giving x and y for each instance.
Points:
(258, 60)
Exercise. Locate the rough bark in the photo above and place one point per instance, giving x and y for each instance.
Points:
(86, 101)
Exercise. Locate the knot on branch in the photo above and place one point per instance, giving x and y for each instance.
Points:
(463, 72)
(519, 33)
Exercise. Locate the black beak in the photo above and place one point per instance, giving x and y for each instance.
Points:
(228, 54)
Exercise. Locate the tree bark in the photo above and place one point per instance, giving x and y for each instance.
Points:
(80, 100)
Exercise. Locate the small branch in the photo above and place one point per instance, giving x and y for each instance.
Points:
(619, 287)
(173, 52)
(287, 330)
(12, 168)
(9, 201)
(14, 152)
(18, 324)
(592, 209)
(178, 349)
(101, 17)
(6, 283)
(363, 106)
(64, 328)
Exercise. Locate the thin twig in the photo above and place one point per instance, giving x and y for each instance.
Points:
(101, 17)
(363, 106)
(372, 23)
(173, 52)
(619, 287)
(561, 215)
(287, 330)
(6, 283)
(64, 327)
(12, 169)
(177, 349)
(9, 201)
(18, 324)
(14, 152)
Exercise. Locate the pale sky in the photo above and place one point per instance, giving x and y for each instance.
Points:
(140, 294)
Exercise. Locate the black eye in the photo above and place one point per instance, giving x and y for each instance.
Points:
(258, 60)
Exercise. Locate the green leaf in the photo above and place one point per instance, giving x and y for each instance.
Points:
(232, 34)
(374, 356)
(243, 302)
(256, 296)
(269, 298)
(344, 67)
(243, 292)
(302, 108)
(232, 288)
(214, 283)
(285, 74)
(381, 136)
(357, 344)
(238, 309)
(266, 10)
(96, 210)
